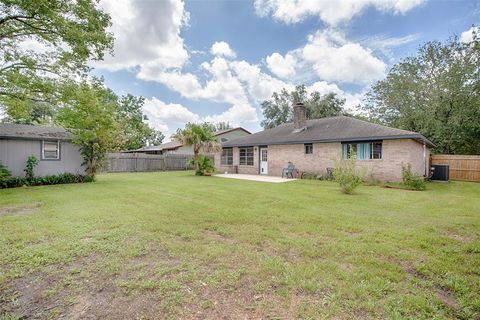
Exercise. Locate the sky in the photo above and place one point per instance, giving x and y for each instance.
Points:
(215, 61)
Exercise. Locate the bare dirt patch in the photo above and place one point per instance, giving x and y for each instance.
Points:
(83, 290)
(448, 299)
(20, 210)
(458, 237)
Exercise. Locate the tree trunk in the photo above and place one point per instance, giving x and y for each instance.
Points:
(195, 158)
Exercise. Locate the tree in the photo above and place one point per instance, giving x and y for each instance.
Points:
(279, 109)
(223, 126)
(436, 93)
(155, 138)
(136, 132)
(91, 117)
(66, 34)
(201, 137)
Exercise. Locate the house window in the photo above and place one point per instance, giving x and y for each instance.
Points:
(227, 156)
(246, 156)
(224, 139)
(50, 150)
(363, 150)
(308, 148)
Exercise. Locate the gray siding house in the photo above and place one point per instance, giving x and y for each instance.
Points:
(52, 146)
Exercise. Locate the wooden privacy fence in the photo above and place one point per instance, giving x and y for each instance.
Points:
(133, 162)
(466, 168)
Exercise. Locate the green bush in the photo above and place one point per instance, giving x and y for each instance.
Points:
(347, 175)
(412, 181)
(32, 162)
(204, 165)
(46, 180)
(5, 175)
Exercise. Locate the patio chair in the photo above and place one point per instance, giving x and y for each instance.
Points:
(288, 171)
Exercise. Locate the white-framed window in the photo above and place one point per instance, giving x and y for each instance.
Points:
(50, 150)
(227, 156)
(246, 156)
(308, 148)
(363, 150)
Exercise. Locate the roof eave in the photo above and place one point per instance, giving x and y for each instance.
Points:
(263, 143)
(3, 137)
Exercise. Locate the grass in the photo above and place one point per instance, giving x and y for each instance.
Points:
(170, 245)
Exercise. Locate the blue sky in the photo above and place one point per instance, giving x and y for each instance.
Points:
(217, 60)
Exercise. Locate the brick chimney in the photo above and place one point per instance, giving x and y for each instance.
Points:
(299, 117)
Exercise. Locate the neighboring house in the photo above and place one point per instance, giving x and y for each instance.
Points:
(52, 146)
(177, 147)
(312, 146)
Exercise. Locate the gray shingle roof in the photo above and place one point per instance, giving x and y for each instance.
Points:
(23, 131)
(333, 129)
(219, 132)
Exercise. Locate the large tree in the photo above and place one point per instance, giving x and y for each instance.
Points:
(279, 109)
(435, 92)
(42, 42)
(91, 117)
(136, 131)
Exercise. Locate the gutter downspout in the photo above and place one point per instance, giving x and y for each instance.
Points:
(425, 160)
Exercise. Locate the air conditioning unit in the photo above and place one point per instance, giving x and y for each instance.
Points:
(440, 172)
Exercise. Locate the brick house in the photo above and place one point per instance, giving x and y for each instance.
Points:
(313, 145)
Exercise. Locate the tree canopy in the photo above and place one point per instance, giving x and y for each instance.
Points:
(436, 93)
(279, 109)
(131, 117)
(42, 42)
(91, 117)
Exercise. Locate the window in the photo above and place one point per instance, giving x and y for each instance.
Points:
(308, 148)
(224, 139)
(227, 156)
(246, 156)
(364, 150)
(50, 150)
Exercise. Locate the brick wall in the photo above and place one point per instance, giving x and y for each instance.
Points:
(389, 168)
(236, 157)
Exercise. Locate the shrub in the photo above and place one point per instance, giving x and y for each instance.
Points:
(310, 176)
(204, 165)
(412, 181)
(32, 162)
(47, 180)
(5, 175)
(347, 175)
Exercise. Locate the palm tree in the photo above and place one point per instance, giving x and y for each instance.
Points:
(201, 137)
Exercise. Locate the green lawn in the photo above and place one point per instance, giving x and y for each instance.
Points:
(172, 245)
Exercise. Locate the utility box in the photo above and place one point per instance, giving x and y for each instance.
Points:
(440, 172)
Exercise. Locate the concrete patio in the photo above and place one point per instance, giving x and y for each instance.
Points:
(254, 177)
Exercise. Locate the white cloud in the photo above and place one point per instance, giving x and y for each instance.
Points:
(283, 67)
(222, 86)
(260, 86)
(167, 117)
(467, 36)
(351, 100)
(334, 58)
(331, 12)
(383, 42)
(222, 49)
(147, 35)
